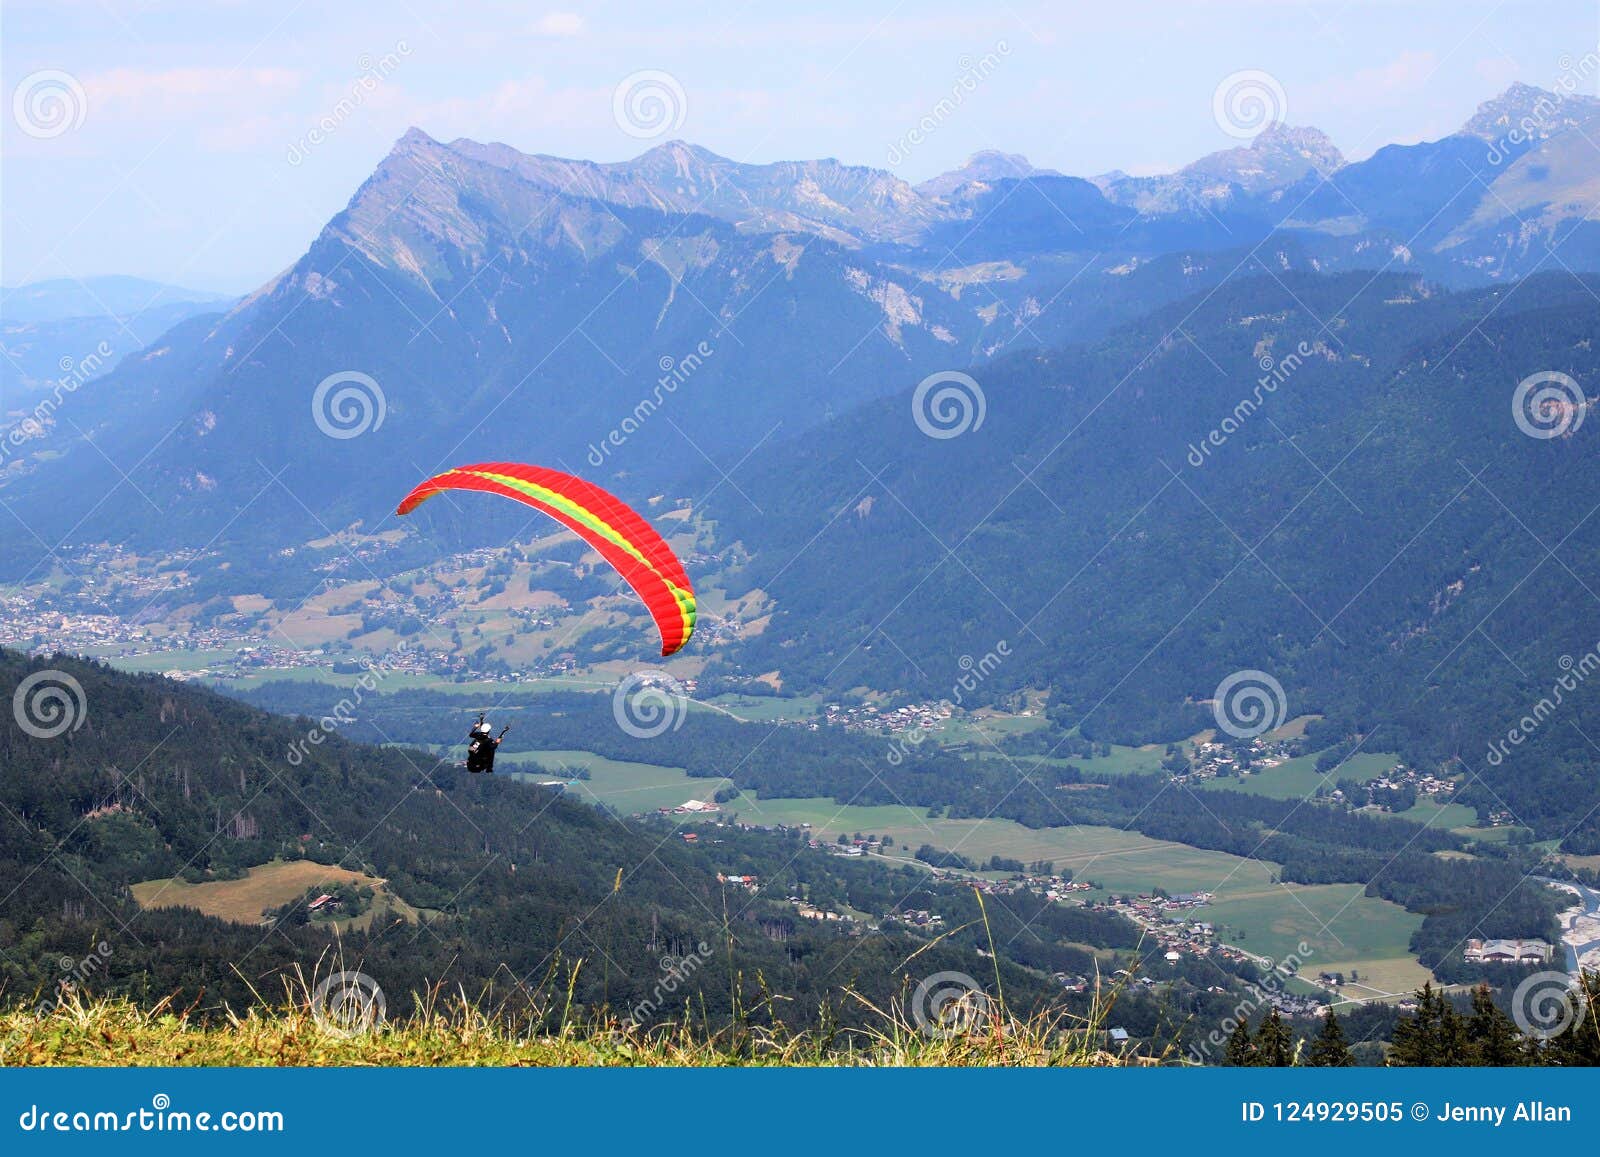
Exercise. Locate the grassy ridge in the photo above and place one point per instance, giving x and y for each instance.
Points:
(455, 1032)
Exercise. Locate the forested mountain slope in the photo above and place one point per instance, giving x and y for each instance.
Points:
(1321, 478)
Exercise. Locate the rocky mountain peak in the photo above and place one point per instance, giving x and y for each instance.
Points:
(1534, 112)
(1309, 144)
(982, 168)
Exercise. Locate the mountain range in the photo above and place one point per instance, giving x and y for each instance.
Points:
(65, 328)
(744, 339)
(510, 305)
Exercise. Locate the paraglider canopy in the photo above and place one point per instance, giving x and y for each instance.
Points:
(601, 519)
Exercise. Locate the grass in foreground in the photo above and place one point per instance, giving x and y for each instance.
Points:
(455, 1031)
(452, 1029)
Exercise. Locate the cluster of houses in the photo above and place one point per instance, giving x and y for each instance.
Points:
(809, 911)
(40, 618)
(1176, 937)
(717, 629)
(916, 717)
(1152, 907)
(1210, 760)
(1050, 887)
(1425, 783)
(23, 624)
(1294, 1004)
(916, 918)
(1397, 778)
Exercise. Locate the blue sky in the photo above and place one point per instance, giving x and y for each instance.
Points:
(189, 150)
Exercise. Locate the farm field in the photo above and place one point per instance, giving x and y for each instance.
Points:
(180, 660)
(409, 681)
(630, 788)
(1445, 817)
(267, 886)
(1126, 760)
(1123, 760)
(1498, 835)
(763, 708)
(1299, 778)
(983, 729)
(1343, 928)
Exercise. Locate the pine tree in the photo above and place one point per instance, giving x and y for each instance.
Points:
(1579, 1045)
(1436, 1035)
(1240, 1053)
(1491, 1035)
(1274, 1042)
(1416, 1037)
(1455, 1046)
(1329, 1050)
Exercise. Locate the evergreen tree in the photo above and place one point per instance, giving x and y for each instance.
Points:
(1455, 1047)
(1435, 1035)
(1240, 1053)
(1330, 1050)
(1274, 1042)
(1416, 1037)
(1579, 1044)
(1491, 1035)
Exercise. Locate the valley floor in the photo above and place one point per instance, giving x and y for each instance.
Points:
(1344, 929)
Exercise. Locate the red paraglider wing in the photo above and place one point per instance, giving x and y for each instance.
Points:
(601, 519)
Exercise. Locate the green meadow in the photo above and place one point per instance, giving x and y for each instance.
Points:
(1342, 928)
(1298, 778)
(630, 788)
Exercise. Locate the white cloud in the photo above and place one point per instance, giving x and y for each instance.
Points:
(131, 93)
(1399, 82)
(559, 24)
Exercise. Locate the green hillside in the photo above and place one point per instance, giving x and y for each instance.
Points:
(1372, 529)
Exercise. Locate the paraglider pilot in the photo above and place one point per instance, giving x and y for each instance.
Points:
(481, 745)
